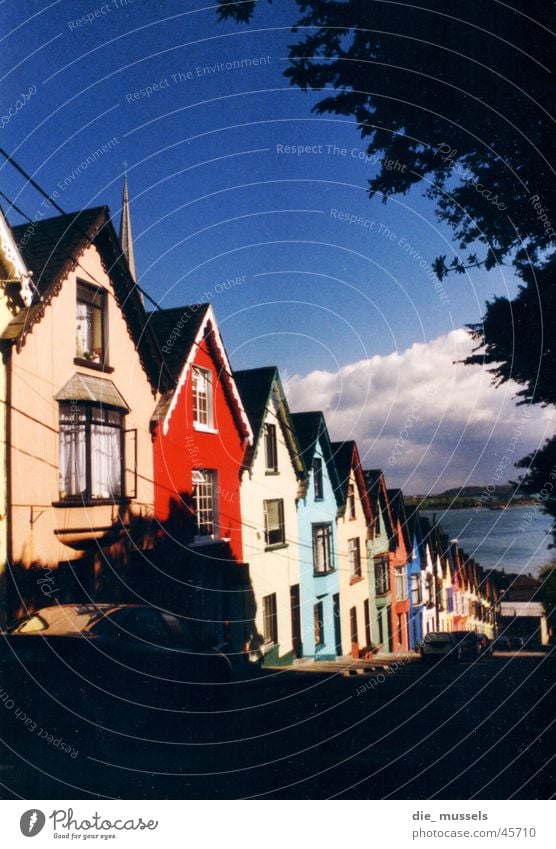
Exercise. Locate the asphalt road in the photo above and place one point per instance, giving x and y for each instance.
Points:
(482, 730)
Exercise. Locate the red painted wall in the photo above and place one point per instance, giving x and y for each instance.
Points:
(184, 448)
(398, 558)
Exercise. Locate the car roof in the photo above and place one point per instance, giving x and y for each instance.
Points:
(68, 618)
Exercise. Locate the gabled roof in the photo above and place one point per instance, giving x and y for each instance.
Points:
(258, 388)
(378, 497)
(397, 506)
(180, 332)
(14, 275)
(176, 330)
(311, 429)
(52, 248)
(347, 459)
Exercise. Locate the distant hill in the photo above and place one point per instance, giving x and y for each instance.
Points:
(487, 496)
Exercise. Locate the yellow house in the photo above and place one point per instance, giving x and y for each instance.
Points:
(82, 377)
(15, 294)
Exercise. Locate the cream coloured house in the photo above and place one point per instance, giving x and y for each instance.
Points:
(273, 479)
(83, 373)
(16, 293)
(353, 531)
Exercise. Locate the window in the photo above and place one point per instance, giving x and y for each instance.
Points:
(270, 448)
(353, 625)
(322, 549)
(270, 620)
(429, 588)
(351, 501)
(317, 479)
(354, 554)
(382, 575)
(90, 310)
(91, 452)
(318, 621)
(274, 530)
(401, 582)
(367, 613)
(416, 589)
(204, 502)
(202, 397)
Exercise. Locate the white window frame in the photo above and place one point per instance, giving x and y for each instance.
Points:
(270, 440)
(281, 523)
(203, 477)
(206, 375)
(354, 555)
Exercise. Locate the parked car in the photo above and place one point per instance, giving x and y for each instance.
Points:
(485, 644)
(468, 644)
(79, 655)
(440, 645)
(502, 643)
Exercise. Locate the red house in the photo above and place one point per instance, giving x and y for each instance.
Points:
(200, 434)
(400, 554)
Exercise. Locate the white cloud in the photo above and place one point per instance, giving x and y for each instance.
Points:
(429, 421)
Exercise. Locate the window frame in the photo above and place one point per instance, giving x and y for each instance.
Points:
(318, 625)
(354, 559)
(207, 375)
(415, 580)
(318, 488)
(88, 422)
(213, 481)
(270, 448)
(86, 293)
(353, 626)
(281, 527)
(270, 620)
(382, 574)
(317, 529)
(350, 502)
(400, 576)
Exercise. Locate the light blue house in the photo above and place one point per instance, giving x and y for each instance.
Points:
(416, 577)
(317, 513)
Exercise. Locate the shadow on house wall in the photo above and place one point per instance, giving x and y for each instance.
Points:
(143, 561)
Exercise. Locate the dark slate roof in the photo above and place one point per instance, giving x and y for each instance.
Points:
(254, 386)
(52, 248)
(378, 496)
(48, 246)
(310, 427)
(175, 331)
(343, 456)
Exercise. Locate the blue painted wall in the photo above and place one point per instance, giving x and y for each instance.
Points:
(324, 587)
(415, 610)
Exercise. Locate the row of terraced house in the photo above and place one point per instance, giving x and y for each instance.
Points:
(139, 466)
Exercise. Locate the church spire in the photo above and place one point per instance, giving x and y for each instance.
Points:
(126, 237)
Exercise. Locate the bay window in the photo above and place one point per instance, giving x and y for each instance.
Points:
(91, 452)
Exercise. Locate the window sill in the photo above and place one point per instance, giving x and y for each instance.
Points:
(203, 428)
(323, 574)
(272, 472)
(80, 361)
(277, 546)
(201, 541)
(91, 502)
(355, 579)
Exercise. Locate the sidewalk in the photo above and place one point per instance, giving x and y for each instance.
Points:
(347, 666)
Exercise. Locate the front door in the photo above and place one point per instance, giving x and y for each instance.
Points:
(337, 625)
(295, 606)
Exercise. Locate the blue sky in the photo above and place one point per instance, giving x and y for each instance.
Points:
(304, 271)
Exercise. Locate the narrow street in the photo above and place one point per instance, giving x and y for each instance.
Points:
(481, 730)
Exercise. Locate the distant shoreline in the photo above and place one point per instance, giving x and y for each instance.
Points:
(464, 503)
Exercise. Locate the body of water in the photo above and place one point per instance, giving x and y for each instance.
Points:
(515, 539)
